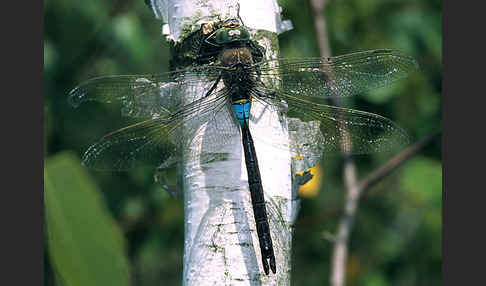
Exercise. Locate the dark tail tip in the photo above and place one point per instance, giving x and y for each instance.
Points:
(273, 266)
(265, 265)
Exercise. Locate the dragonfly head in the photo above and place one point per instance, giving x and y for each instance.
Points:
(231, 31)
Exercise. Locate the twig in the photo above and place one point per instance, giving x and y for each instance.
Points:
(320, 26)
(396, 161)
(354, 189)
(340, 251)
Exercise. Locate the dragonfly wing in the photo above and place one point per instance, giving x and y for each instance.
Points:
(337, 76)
(147, 96)
(154, 142)
(144, 143)
(210, 132)
(332, 130)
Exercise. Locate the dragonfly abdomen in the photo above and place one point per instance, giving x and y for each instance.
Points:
(242, 111)
(257, 197)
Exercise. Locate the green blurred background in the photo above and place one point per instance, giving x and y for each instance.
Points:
(122, 228)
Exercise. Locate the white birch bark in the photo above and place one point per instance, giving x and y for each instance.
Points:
(221, 244)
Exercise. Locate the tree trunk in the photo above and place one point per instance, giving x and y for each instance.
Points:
(221, 245)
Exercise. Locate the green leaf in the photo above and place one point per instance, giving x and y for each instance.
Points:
(382, 95)
(375, 278)
(422, 178)
(85, 245)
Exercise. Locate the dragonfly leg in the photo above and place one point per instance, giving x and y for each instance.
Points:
(206, 58)
(257, 51)
(213, 87)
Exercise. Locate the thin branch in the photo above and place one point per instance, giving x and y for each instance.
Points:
(396, 161)
(340, 251)
(320, 26)
(354, 189)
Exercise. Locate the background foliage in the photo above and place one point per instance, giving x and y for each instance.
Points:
(397, 235)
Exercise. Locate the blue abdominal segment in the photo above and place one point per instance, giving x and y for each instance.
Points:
(242, 111)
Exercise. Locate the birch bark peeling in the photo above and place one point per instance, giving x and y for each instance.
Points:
(221, 246)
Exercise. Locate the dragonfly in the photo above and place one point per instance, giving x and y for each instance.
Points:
(222, 91)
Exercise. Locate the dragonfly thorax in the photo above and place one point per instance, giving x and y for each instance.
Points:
(234, 56)
(238, 79)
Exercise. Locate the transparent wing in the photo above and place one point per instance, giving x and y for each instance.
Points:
(159, 141)
(344, 75)
(146, 96)
(331, 129)
(145, 143)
